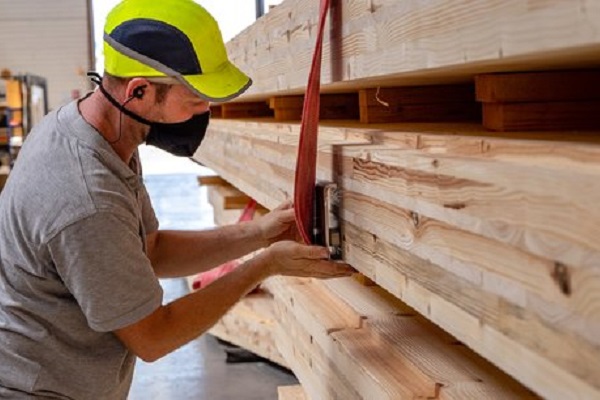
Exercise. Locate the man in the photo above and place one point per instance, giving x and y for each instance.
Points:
(80, 248)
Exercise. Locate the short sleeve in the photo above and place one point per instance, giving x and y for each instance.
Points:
(102, 262)
(148, 216)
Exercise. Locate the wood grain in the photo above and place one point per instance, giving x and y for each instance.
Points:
(538, 116)
(469, 230)
(292, 392)
(385, 42)
(530, 87)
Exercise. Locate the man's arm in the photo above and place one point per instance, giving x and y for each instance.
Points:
(184, 253)
(173, 325)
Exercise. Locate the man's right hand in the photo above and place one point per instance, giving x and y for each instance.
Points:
(294, 259)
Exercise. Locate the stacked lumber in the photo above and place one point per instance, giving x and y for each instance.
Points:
(491, 236)
(348, 341)
(555, 100)
(345, 340)
(251, 324)
(492, 239)
(381, 42)
(226, 200)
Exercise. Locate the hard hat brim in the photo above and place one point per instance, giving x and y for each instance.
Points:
(219, 86)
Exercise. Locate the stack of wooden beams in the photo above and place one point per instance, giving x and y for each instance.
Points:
(555, 100)
(492, 239)
(492, 236)
(345, 340)
(381, 42)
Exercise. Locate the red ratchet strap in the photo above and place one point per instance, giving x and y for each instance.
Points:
(306, 163)
(205, 278)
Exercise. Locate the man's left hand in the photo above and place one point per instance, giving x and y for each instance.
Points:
(279, 224)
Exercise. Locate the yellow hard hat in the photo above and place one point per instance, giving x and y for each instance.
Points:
(175, 38)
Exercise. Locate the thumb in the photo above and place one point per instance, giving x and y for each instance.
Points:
(285, 205)
(314, 252)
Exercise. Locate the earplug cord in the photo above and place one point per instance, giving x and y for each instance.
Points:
(97, 79)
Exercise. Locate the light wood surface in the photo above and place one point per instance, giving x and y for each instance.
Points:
(295, 392)
(468, 230)
(345, 340)
(383, 42)
(391, 355)
(490, 236)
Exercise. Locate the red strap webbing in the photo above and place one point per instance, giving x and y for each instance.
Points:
(204, 279)
(306, 163)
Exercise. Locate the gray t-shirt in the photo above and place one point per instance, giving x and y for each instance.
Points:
(73, 264)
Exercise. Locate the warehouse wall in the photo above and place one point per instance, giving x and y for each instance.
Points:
(47, 38)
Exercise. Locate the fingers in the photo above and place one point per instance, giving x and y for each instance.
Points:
(287, 216)
(285, 205)
(312, 252)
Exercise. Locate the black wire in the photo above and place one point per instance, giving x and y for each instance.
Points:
(121, 120)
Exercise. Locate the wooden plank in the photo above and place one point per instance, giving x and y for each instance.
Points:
(450, 112)
(369, 301)
(288, 108)
(293, 392)
(318, 375)
(252, 330)
(332, 106)
(227, 198)
(406, 95)
(318, 311)
(533, 87)
(216, 111)
(378, 372)
(245, 110)
(249, 324)
(542, 116)
(477, 390)
(211, 180)
(382, 41)
(428, 354)
(419, 103)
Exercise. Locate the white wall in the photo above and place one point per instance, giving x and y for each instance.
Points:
(48, 38)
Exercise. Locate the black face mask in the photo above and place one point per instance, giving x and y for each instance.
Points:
(181, 139)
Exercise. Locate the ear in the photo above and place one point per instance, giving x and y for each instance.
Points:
(136, 88)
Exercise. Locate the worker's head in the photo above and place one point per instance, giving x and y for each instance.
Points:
(166, 60)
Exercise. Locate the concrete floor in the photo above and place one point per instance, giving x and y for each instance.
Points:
(198, 370)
